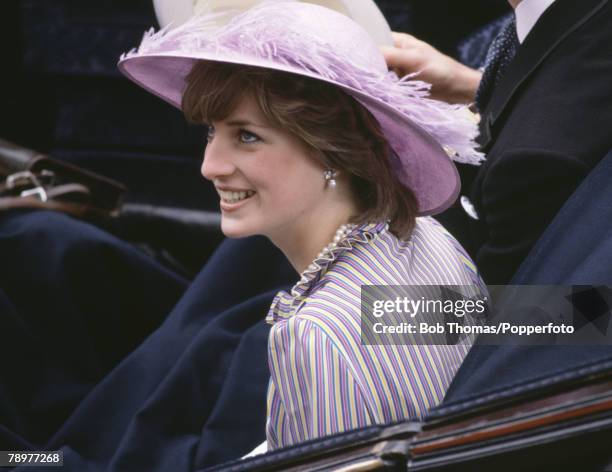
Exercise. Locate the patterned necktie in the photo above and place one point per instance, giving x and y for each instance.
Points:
(499, 56)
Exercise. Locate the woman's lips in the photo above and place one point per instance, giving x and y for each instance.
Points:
(228, 206)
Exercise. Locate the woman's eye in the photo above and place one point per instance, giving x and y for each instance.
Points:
(248, 138)
(210, 133)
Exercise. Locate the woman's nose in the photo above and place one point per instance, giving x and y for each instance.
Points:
(217, 162)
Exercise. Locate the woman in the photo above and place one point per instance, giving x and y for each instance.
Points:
(313, 144)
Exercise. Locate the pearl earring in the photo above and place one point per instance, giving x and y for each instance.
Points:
(330, 177)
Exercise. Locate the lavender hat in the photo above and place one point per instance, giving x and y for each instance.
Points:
(313, 41)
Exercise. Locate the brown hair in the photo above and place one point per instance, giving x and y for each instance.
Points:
(343, 134)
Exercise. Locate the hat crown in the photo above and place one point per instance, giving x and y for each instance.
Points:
(303, 26)
(340, 33)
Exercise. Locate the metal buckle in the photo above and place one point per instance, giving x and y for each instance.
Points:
(21, 179)
(35, 192)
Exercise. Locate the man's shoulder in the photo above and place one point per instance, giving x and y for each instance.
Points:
(555, 74)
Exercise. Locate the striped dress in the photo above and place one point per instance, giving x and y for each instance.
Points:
(323, 379)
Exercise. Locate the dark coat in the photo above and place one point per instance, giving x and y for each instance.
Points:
(548, 123)
(575, 250)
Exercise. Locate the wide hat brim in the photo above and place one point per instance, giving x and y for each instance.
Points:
(426, 167)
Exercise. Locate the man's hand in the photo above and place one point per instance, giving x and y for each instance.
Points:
(451, 81)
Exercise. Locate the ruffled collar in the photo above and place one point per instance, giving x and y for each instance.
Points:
(285, 303)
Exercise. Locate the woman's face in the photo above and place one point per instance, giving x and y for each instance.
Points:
(267, 179)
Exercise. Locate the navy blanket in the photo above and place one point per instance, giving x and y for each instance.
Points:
(93, 364)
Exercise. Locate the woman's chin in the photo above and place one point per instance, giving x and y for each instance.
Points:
(234, 231)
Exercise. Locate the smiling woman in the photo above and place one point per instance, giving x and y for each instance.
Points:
(322, 150)
(272, 136)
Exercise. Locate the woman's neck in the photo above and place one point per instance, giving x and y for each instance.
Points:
(302, 242)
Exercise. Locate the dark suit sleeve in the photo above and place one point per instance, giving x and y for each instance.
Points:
(521, 194)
